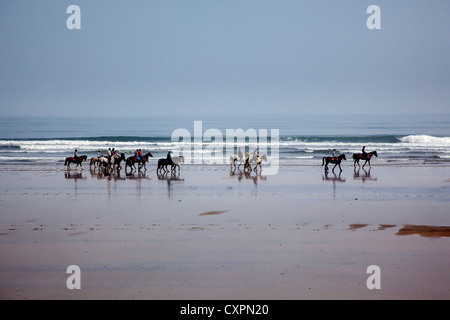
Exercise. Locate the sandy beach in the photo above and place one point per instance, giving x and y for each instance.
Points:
(212, 233)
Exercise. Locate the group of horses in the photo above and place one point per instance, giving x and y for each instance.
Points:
(103, 163)
(114, 162)
(356, 157)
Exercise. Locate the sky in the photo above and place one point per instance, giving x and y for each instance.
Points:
(163, 57)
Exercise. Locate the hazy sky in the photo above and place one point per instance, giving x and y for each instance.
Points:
(223, 56)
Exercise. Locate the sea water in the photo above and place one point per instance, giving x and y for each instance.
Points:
(303, 139)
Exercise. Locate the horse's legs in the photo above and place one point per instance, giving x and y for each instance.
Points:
(334, 167)
(364, 164)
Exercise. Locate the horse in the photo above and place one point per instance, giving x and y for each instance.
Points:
(335, 160)
(360, 156)
(130, 161)
(176, 163)
(239, 158)
(103, 162)
(116, 159)
(255, 160)
(78, 161)
(94, 161)
(163, 163)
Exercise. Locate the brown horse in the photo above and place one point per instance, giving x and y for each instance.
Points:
(94, 161)
(78, 161)
(360, 156)
(141, 162)
(336, 160)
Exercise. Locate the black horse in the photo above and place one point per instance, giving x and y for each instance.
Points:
(77, 160)
(163, 163)
(336, 160)
(360, 156)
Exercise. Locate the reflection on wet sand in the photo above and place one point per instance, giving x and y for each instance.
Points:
(74, 175)
(133, 175)
(335, 178)
(138, 177)
(101, 174)
(246, 175)
(170, 178)
(363, 177)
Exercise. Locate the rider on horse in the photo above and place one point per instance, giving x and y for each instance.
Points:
(334, 156)
(138, 154)
(364, 154)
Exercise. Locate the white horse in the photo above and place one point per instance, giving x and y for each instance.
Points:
(240, 157)
(103, 162)
(257, 160)
(176, 163)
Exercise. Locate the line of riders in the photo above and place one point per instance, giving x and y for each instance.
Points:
(337, 159)
(113, 159)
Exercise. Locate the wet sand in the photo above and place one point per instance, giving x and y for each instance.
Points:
(214, 234)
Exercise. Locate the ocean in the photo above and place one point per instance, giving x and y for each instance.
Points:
(303, 139)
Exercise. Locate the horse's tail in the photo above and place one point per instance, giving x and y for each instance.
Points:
(65, 162)
(323, 161)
